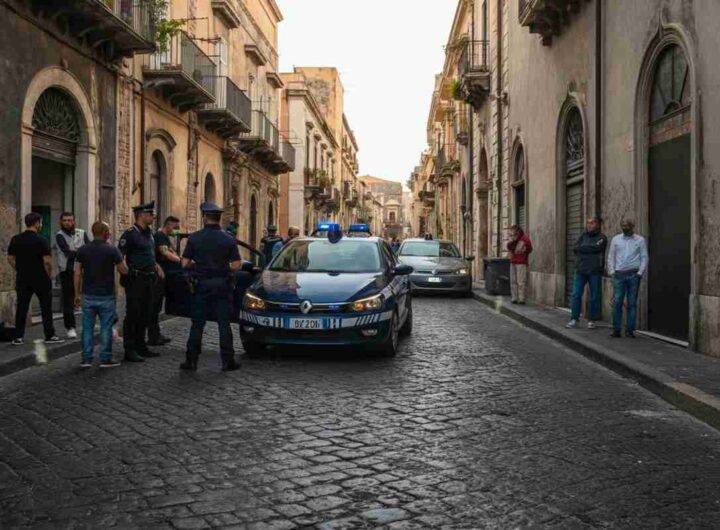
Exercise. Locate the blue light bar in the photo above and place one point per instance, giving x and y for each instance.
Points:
(323, 227)
(359, 228)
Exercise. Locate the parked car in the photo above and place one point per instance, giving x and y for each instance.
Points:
(438, 265)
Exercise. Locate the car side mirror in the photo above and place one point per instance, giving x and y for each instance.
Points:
(403, 270)
(247, 266)
(470, 258)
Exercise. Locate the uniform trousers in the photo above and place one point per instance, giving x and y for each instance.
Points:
(212, 298)
(158, 298)
(138, 308)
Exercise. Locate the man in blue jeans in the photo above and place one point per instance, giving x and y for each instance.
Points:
(627, 262)
(589, 265)
(95, 265)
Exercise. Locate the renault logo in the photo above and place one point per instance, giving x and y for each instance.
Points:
(306, 307)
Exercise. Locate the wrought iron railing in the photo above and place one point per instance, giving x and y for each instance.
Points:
(228, 96)
(474, 57)
(288, 154)
(135, 13)
(185, 55)
(264, 129)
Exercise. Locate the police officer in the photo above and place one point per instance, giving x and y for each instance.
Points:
(268, 242)
(138, 246)
(211, 255)
(169, 261)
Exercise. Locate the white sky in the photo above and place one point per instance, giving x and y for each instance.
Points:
(387, 52)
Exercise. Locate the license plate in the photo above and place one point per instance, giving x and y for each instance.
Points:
(435, 280)
(306, 323)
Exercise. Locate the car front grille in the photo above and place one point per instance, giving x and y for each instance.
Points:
(317, 309)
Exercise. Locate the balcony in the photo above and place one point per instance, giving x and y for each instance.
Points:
(263, 143)
(183, 74)
(547, 17)
(230, 114)
(350, 195)
(474, 72)
(119, 28)
(446, 163)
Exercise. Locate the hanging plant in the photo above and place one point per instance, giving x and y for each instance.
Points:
(456, 90)
(164, 28)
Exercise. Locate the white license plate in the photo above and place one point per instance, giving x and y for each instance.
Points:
(306, 323)
(435, 280)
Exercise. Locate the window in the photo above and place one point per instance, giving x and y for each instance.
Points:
(321, 256)
(222, 55)
(519, 189)
(429, 249)
(670, 90)
(210, 194)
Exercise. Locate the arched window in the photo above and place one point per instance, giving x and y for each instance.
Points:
(271, 214)
(210, 194)
(156, 177)
(671, 90)
(520, 212)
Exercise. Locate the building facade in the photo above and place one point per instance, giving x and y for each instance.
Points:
(582, 108)
(389, 197)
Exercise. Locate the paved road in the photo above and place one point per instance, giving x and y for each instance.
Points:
(478, 423)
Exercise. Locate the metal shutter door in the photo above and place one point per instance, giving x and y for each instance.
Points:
(573, 230)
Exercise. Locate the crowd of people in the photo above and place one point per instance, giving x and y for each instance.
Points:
(626, 262)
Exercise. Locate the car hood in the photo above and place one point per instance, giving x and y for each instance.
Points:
(318, 287)
(422, 263)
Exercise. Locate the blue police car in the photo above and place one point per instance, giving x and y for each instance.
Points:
(333, 291)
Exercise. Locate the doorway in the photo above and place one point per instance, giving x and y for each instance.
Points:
(669, 194)
(253, 222)
(574, 194)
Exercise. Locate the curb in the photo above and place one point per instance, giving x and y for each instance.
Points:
(687, 398)
(54, 353)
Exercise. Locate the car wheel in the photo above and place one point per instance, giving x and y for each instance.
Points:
(408, 324)
(390, 346)
(253, 349)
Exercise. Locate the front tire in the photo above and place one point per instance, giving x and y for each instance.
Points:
(253, 349)
(390, 346)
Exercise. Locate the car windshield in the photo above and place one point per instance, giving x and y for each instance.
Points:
(429, 249)
(323, 256)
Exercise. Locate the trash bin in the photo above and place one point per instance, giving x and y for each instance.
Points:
(497, 276)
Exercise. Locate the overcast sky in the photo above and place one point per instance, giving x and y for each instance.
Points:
(387, 52)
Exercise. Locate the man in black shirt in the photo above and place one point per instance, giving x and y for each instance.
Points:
(138, 246)
(29, 254)
(94, 278)
(212, 256)
(168, 259)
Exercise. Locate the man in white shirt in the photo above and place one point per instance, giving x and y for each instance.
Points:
(627, 262)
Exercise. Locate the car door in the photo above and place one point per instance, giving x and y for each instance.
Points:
(399, 284)
(178, 291)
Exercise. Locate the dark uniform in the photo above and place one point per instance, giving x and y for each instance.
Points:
(138, 247)
(212, 250)
(268, 243)
(170, 268)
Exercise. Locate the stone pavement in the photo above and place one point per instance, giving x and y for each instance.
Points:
(686, 379)
(478, 423)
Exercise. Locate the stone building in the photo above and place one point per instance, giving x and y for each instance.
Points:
(204, 112)
(314, 100)
(587, 107)
(389, 195)
(60, 147)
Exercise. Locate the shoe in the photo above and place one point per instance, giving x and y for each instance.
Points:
(110, 364)
(132, 357)
(71, 333)
(630, 334)
(572, 324)
(54, 340)
(231, 366)
(513, 301)
(615, 335)
(148, 354)
(190, 365)
(592, 325)
(18, 342)
(86, 364)
(159, 342)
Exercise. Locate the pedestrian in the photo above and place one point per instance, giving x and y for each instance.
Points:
(519, 248)
(29, 254)
(293, 233)
(627, 262)
(589, 265)
(138, 246)
(211, 255)
(94, 279)
(169, 261)
(395, 246)
(232, 229)
(68, 240)
(268, 242)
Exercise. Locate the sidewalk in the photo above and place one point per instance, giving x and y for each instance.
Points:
(688, 380)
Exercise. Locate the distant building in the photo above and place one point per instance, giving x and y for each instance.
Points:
(390, 195)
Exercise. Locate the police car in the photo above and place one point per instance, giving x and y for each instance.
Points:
(335, 291)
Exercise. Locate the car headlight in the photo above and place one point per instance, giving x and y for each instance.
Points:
(373, 303)
(462, 271)
(253, 302)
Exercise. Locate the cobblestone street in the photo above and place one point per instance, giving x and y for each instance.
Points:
(478, 423)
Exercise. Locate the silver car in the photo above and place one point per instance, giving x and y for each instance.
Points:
(439, 266)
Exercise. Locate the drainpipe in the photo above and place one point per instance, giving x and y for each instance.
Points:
(499, 99)
(471, 160)
(598, 106)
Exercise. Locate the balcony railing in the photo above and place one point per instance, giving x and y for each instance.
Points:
(474, 57)
(193, 74)
(288, 155)
(119, 28)
(230, 113)
(264, 143)
(474, 72)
